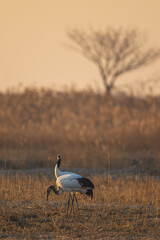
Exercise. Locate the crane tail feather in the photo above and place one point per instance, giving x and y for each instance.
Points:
(89, 193)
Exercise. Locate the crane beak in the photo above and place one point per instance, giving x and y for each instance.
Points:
(48, 192)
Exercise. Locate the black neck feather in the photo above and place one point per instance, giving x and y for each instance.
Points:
(58, 163)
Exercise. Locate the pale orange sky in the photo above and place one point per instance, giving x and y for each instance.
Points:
(33, 34)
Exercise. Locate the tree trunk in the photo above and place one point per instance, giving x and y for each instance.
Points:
(109, 90)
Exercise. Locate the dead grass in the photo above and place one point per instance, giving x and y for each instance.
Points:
(85, 127)
(90, 131)
(121, 209)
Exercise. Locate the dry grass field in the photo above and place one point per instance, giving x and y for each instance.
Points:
(87, 128)
(90, 131)
(122, 208)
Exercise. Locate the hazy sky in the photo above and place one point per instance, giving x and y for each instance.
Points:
(33, 37)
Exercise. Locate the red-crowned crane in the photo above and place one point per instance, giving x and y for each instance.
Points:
(71, 183)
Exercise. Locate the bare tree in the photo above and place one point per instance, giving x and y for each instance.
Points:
(114, 51)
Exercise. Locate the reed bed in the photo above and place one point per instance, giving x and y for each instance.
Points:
(89, 129)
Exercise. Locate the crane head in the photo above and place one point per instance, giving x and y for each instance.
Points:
(58, 160)
(49, 189)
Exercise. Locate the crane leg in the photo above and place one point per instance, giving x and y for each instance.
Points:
(72, 206)
(68, 203)
(76, 202)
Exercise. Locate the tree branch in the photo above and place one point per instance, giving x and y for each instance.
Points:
(114, 51)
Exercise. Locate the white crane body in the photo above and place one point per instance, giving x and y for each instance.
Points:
(71, 183)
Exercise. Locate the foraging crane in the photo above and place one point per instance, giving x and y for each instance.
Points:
(71, 183)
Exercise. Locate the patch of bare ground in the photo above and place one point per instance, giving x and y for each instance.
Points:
(121, 209)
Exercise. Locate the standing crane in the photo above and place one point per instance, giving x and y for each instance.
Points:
(72, 183)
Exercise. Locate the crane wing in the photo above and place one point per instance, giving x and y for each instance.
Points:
(85, 183)
(71, 181)
(66, 182)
